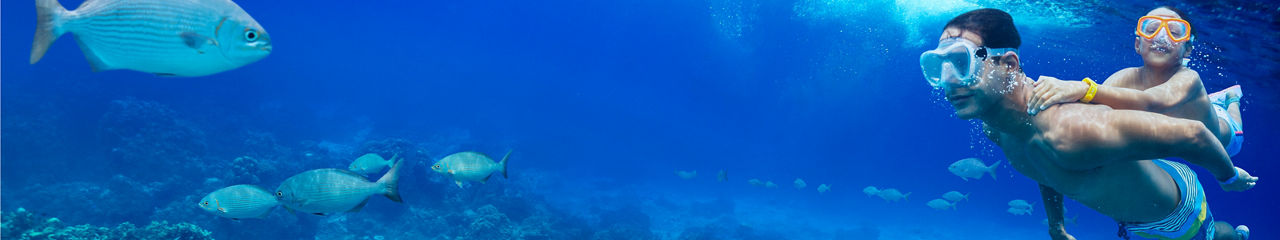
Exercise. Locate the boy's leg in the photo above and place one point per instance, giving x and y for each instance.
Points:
(1223, 231)
(1226, 105)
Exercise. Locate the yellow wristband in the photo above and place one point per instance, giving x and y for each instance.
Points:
(1093, 90)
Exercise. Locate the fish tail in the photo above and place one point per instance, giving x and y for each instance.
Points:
(503, 164)
(49, 19)
(992, 169)
(389, 183)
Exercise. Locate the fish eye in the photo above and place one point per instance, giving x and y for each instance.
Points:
(279, 193)
(251, 35)
(206, 203)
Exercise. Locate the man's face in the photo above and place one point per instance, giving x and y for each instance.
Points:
(985, 94)
(1160, 51)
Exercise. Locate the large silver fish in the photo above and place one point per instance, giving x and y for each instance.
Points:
(470, 166)
(331, 190)
(239, 201)
(163, 37)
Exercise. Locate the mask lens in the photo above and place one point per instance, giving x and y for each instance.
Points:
(1150, 26)
(1178, 30)
(932, 64)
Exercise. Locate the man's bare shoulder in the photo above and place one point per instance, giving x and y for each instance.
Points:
(1064, 127)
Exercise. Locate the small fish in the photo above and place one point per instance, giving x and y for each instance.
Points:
(163, 37)
(239, 201)
(686, 175)
(941, 204)
(892, 195)
(770, 184)
(871, 191)
(470, 166)
(823, 188)
(331, 190)
(799, 183)
(723, 176)
(1068, 221)
(1020, 204)
(955, 196)
(1019, 211)
(972, 168)
(371, 163)
(756, 182)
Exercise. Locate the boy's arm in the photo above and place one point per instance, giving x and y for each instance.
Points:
(1081, 136)
(1179, 89)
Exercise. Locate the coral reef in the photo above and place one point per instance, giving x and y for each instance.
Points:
(22, 224)
(141, 136)
(86, 201)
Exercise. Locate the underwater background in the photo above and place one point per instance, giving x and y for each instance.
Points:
(601, 101)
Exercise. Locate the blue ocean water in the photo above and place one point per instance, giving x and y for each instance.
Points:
(601, 101)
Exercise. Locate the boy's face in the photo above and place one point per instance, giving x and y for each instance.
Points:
(1161, 51)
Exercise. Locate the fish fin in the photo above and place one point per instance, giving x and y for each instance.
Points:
(49, 19)
(485, 179)
(165, 74)
(265, 214)
(393, 160)
(318, 214)
(389, 182)
(95, 62)
(458, 182)
(503, 164)
(992, 169)
(360, 206)
(966, 197)
(347, 172)
(237, 219)
(904, 197)
(197, 41)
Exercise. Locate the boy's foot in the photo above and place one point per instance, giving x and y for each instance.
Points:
(1243, 231)
(1227, 96)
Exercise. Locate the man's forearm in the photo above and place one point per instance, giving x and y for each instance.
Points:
(1203, 149)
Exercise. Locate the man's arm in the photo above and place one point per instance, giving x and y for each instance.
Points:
(1080, 136)
(1053, 208)
(1179, 89)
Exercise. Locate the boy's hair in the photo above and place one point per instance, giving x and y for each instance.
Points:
(1181, 14)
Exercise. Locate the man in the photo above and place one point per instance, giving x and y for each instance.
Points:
(1161, 85)
(1098, 156)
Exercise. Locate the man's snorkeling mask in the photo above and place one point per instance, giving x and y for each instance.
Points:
(956, 58)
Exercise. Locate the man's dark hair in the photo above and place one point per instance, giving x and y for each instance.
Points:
(993, 25)
(1181, 14)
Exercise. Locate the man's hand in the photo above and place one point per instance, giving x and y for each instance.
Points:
(1244, 181)
(1049, 91)
(1060, 234)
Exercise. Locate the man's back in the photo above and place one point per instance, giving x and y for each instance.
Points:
(1128, 191)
